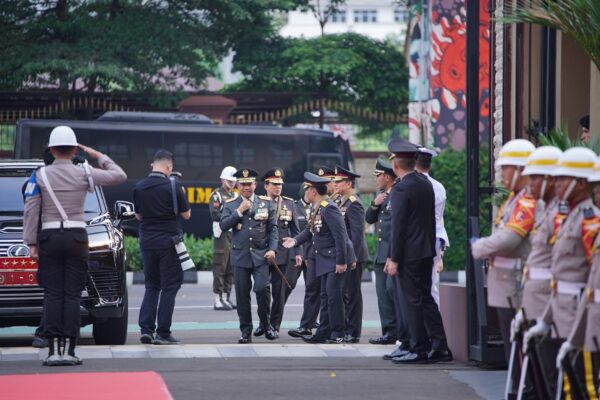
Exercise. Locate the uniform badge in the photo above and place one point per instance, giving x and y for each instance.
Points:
(277, 173)
(32, 188)
(321, 172)
(523, 216)
(245, 173)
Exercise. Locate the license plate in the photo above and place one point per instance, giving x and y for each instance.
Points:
(18, 271)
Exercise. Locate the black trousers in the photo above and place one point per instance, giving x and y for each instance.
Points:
(353, 301)
(242, 278)
(384, 288)
(331, 324)
(422, 313)
(312, 295)
(63, 267)
(280, 291)
(400, 307)
(163, 277)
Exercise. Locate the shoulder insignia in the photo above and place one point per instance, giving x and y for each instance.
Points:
(352, 198)
(589, 230)
(287, 198)
(522, 219)
(32, 188)
(324, 203)
(230, 200)
(264, 198)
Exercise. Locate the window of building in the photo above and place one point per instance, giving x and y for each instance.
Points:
(400, 15)
(365, 16)
(339, 17)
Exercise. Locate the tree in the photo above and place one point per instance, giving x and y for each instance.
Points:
(124, 44)
(345, 67)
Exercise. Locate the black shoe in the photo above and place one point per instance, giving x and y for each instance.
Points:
(335, 340)
(147, 338)
(245, 339)
(313, 339)
(259, 331)
(316, 325)
(160, 340)
(271, 334)
(399, 352)
(299, 332)
(385, 339)
(435, 356)
(39, 342)
(411, 358)
(351, 339)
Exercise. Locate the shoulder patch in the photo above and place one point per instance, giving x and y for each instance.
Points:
(352, 198)
(230, 200)
(264, 198)
(522, 219)
(589, 230)
(324, 203)
(588, 213)
(32, 188)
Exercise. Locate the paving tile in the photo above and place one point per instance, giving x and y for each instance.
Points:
(171, 351)
(23, 354)
(237, 351)
(343, 353)
(271, 350)
(371, 350)
(307, 350)
(91, 352)
(201, 351)
(132, 351)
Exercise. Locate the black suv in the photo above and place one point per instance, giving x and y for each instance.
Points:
(104, 299)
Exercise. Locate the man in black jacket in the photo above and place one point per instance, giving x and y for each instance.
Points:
(412, 249)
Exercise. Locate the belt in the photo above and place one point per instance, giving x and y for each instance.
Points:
(506, 263)
(568, 288)
(593, 295)
(539, 274)
(63, 225)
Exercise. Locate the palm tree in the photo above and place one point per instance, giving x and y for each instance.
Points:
(578, 18)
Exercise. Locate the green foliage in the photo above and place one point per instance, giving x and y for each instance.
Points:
(125, 44)
(200, 250)
(559, 137)
(372, 246)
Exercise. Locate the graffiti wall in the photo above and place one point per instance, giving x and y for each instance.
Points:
(437, 46)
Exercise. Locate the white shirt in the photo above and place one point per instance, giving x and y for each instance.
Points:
(440, 204)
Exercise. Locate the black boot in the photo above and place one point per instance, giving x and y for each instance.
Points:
(54, 352)
(69, 357)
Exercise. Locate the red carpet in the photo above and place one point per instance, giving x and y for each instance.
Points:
(88, 386)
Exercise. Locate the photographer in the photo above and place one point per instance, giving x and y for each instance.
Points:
(154, 199)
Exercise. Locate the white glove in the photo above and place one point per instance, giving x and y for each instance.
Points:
(515, 325)
(539, 329)
(217, 230)
(565, 349)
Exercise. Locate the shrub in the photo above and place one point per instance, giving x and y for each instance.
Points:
(132, 251)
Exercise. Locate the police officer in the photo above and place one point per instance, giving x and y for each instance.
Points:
(575, 228)
(254, 244)
(379, 213)
(327, 232)
(412, 250)
(159, 205)
(222, 272)
(312, 282)
(354, 216)
(61, 246)
(287, 225)
(328, 173)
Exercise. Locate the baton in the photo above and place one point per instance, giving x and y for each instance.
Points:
(281, 274)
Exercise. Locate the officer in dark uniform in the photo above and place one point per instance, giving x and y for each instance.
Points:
(412, 250)
(328, 173)
(354, 216)
(254, 246)
(287, 226)
(327, 232)
(379, 213)
(312, 282)
(56, 195)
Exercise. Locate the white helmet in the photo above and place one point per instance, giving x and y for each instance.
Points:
(576, 162)
(595, 177)
(543, 161)
(228, 173)
(515, 152)
(62, 136)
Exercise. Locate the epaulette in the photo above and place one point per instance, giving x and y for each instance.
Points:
(324, 203)
(287, 198)
(588, 213)
(352, 198)
(264, 198)
(230, 200)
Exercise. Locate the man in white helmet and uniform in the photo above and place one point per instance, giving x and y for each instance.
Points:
(61, 245)
(222, 271)
(508, 246)
(575, 228)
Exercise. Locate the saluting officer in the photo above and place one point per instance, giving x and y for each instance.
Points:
(575, 228)
(354, 216)
(255, 242)
(327, 231)
(287, 225)
(379, 213)
(312, 282)
(59, 190)
(222, 272)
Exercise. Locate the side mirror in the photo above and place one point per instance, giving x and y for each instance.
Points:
(124, 210)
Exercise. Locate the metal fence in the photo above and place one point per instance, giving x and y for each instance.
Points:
(7, 140)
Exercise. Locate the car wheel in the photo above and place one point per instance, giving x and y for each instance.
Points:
(112, 331)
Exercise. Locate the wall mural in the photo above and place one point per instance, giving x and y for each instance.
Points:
(437, 40)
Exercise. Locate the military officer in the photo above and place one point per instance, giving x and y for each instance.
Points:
(222, 272)
(379, 213)
(575, 228)
(287, 225)
(327, 232)
(254, 244)
(312, 282)
(328, 173)
(56, 195)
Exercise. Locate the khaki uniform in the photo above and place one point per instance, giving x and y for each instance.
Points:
(537, 274)
(222, 271)
(571, 257)
(508, 248)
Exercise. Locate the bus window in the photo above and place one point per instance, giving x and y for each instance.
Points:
(317, 160)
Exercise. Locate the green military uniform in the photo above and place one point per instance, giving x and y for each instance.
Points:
(222, 271)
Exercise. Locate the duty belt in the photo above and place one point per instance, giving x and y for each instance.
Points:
(63, 225)
(506, 263)
(568, 288)
(593, 295)
(538, 274)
